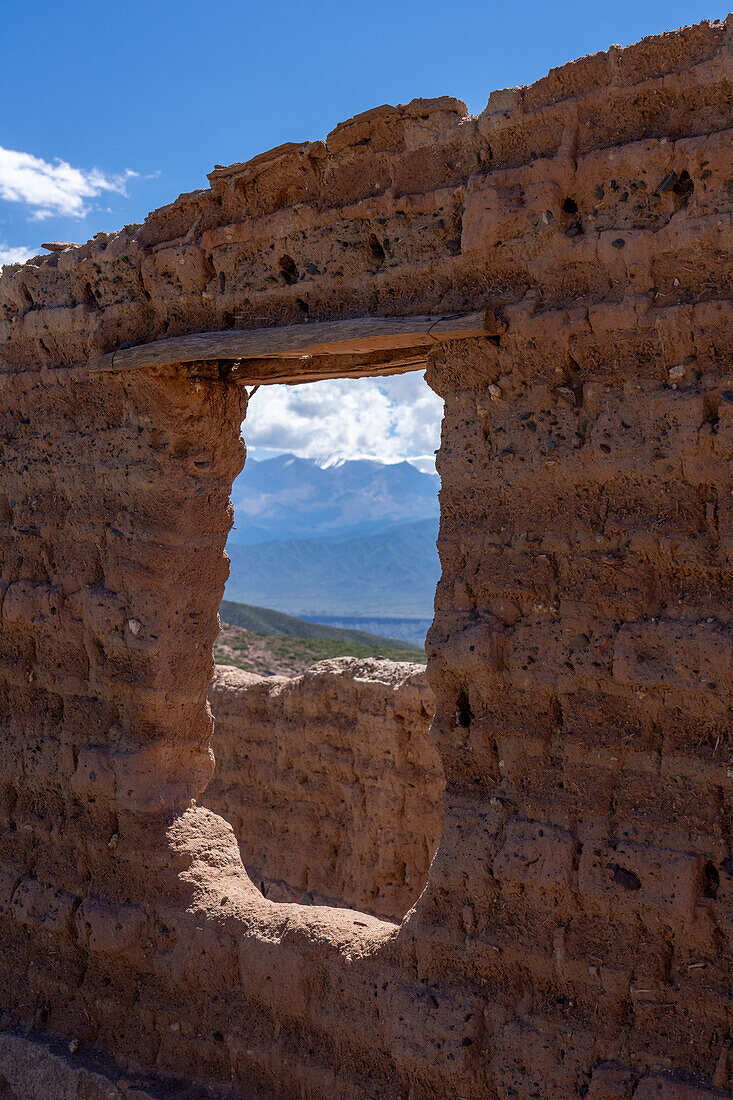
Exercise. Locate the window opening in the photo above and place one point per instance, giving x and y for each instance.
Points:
(326, 771)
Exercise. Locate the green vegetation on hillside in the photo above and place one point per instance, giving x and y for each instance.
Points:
(262, 620)
(278, 655)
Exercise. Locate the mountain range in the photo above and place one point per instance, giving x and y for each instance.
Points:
(291, 498)
(349, 541)
(390, 572)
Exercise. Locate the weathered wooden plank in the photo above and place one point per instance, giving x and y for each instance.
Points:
(352, 337)
(270, 372)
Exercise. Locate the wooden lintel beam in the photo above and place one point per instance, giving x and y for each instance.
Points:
(318, 338)
(295, 372)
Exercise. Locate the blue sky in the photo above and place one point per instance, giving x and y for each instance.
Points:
(114, 109)
(168, 89)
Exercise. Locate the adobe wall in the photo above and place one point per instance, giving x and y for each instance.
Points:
(574, 936)
(330, 781)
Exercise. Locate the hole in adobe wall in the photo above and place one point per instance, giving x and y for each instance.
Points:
(710, 880)
(464, 714)
(625, 878)
(376, 250)
(89, 296)
(683, 189)
(569, 206)
(328, 637)
(288, 270)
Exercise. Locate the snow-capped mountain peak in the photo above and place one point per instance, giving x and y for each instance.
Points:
(289, 497)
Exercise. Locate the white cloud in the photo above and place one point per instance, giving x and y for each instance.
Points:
(53, 188)
(385, 418)
(10, 255)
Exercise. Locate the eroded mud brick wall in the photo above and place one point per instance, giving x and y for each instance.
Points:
(582, 658)
(114, 518)
(330, 781)
(574, 937)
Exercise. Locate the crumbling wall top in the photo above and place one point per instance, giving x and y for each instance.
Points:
(392, 215)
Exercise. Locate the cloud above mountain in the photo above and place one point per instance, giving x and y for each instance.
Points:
(383, 418)
(53, 188)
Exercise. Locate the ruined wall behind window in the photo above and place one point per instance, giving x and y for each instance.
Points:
(330, 781)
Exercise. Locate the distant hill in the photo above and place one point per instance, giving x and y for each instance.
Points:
(404, 630)
(392, 572)
(288, 498)
(268, 643)
(263, 620)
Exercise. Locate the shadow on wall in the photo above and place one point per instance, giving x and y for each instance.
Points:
(330, 781)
